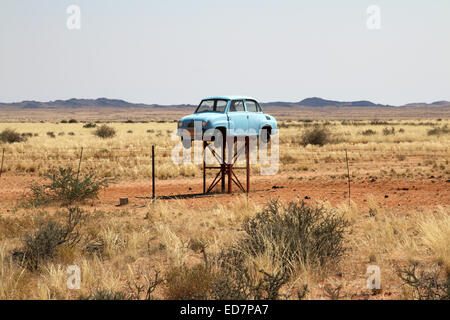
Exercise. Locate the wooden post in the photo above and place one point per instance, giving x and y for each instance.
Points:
(79, 163)
(348, 177)
(224, 143)
(204, 166)
(247, 160)
(1, 167)
(153, 172)
(230, 177)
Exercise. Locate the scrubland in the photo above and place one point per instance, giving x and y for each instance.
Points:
(232, 246)
(405, 145)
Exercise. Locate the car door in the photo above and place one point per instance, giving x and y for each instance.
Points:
(238, 118)
(255, 116)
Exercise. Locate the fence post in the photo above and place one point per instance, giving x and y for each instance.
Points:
(1, 167)
(348, 177)
(79, 163)
(153, 172)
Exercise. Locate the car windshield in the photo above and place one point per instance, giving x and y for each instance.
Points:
(212, 105)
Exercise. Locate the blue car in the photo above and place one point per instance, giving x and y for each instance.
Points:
(231, 115)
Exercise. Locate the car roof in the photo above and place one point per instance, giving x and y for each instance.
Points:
(230, 98)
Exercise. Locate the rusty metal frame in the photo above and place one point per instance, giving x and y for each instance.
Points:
(226, 171)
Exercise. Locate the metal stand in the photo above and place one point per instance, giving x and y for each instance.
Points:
(226, 170)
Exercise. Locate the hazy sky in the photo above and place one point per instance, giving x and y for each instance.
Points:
(178, 51)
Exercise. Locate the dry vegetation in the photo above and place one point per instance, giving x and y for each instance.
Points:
(407, 148)
(244, 248)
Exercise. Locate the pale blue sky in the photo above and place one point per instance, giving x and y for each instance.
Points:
(178, 51)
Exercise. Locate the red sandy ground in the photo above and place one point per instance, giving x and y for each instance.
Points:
(405, 194)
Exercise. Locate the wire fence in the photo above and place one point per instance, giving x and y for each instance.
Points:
(156, 162)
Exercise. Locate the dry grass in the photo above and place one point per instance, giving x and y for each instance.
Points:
(410, 151)
(435, 232)
(123, 247)
(168, 235)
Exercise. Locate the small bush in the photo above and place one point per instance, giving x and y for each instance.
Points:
(42, 245)
(51, 134)
(369, 132)
(378, 122)
(426, 285)
(184, 283)
(387, 131)
(27, 135)
(105, 132)
(438, 131)
(67, 187)
(233, 280)
(89, 125)
(285, 235)
(11, 136)
(294, 234)
(73, 121)
(63, 121)
(102, 294)
(137, 291)
(317, 135)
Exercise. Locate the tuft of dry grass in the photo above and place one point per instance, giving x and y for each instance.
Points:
(435, 235)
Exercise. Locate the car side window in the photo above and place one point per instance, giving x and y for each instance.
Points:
(251, 106)
(221, 105)
(236, 106)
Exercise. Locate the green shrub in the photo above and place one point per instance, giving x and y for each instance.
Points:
(27, 135)
(41, 246)
(73, 121)
(105, 131)
(387, 131)
(317, 135)
(438, 131)
(369, 132)
(67, 187)
(11, 136)
(290, 235)
(89, 125)
(294, 234)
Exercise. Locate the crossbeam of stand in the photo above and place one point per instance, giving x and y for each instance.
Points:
(225, 171)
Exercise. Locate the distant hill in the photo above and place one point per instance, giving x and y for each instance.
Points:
(441, 103)
(319, 102)
(85, 103)
(117, 103)
(423, 104)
